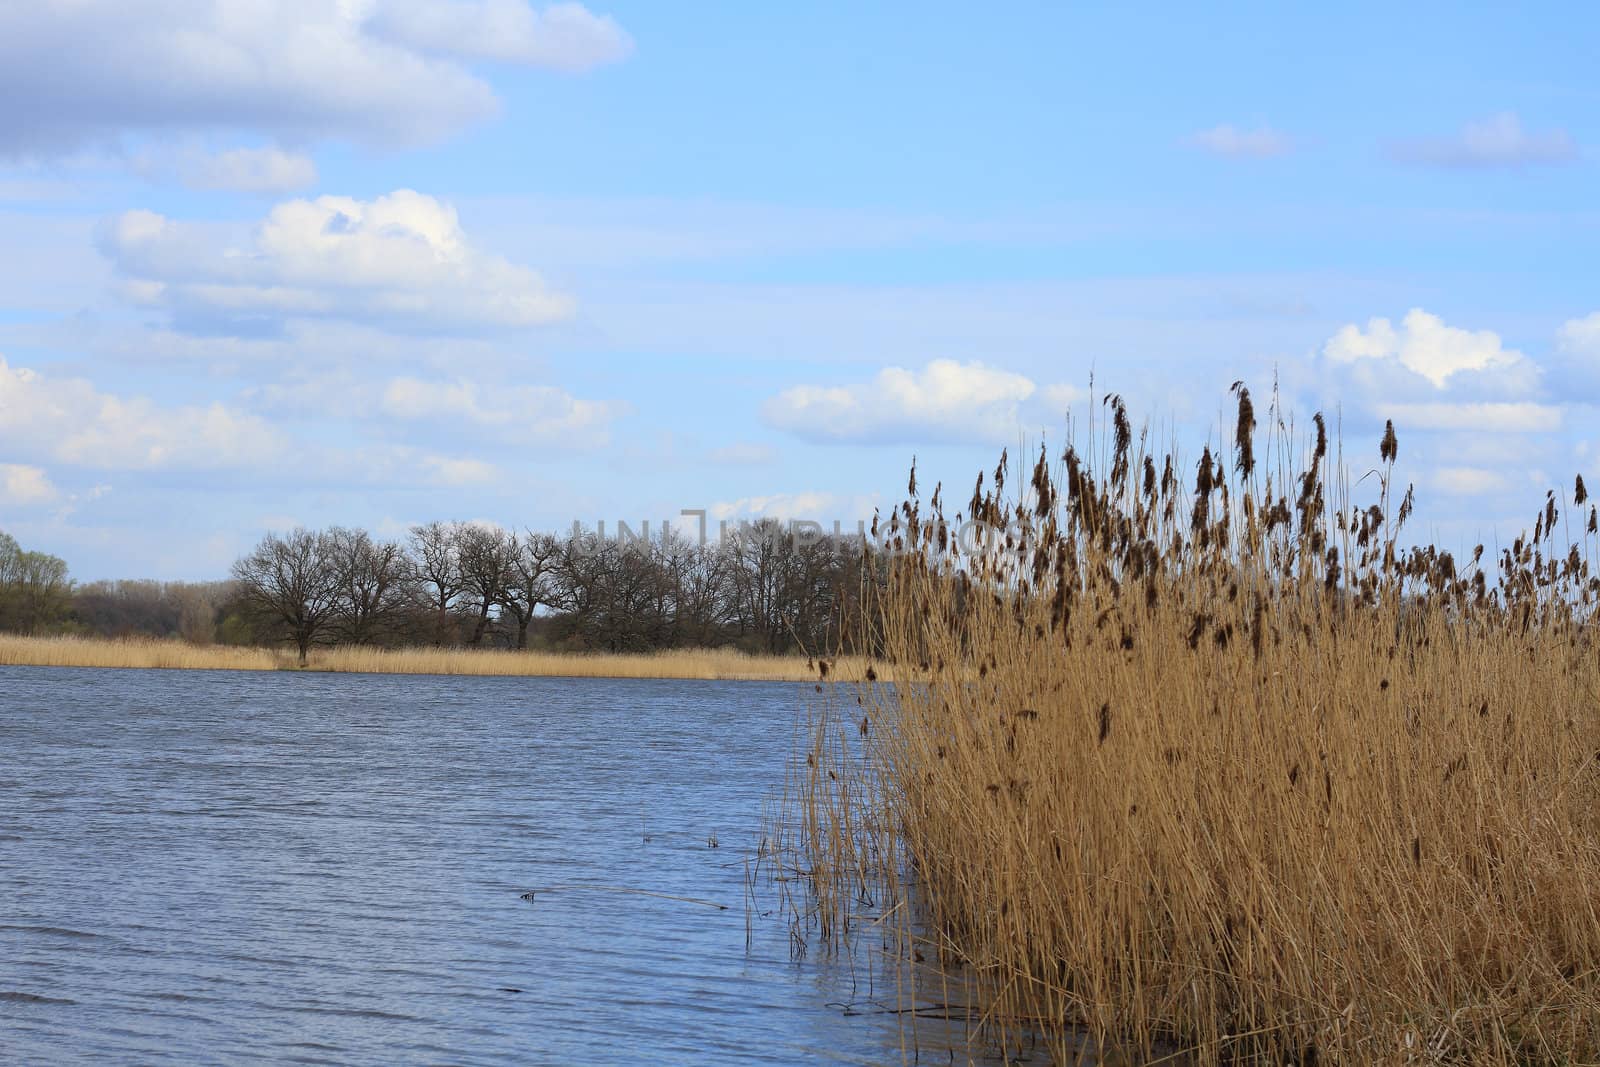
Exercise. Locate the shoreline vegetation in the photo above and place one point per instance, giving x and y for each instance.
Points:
(1228, 773)
(763, 587)
(688, 664)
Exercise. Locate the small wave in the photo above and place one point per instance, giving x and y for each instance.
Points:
(16, 997)
(180, 997)
(355, 1013)
(55, 931)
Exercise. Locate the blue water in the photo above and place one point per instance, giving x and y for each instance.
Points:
(233, 867)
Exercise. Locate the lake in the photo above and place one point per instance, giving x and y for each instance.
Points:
(320, 868)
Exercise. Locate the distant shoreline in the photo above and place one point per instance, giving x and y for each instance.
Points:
(689, 664)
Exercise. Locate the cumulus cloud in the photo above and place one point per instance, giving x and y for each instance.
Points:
(1467, 395)
(1496, 141)
(71, 421)
(561, 37)
(373, 71)
(1474, 415)
(24, 486)
(1233, 142)
(945, 400)
(525, 413)
(1424, 345)
(400, 260)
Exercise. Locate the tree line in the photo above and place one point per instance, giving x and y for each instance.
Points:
(762, 587)
(34, 588)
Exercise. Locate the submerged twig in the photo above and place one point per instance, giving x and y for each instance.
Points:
(624, 889)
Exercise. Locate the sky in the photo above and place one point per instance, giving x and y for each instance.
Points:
(268, 263)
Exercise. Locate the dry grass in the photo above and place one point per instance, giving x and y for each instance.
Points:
(703, 664)
(1226, 770)
(18, 651)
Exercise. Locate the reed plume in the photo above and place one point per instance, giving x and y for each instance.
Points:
(1229, 773)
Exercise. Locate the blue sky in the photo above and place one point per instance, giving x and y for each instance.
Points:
(382, 261)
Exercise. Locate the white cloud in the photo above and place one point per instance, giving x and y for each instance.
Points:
(1424, 345)
(814, 506)
(248, 170)
(383, 465)
(374, 71)
(452, 472)
(1581, 336)
(24, 486)
(562, 36)
(1484, 417)
(1469, 481)
(1234, 142)
(1574, 367)
(1060, 398)
(524, 413)
(1496, 141)
(944, 401)
(400, 260)
(71, 421)
(266, 170)
(1474, 416)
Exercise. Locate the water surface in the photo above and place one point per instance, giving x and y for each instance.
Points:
(237, 867)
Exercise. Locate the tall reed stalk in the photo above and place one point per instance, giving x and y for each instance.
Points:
(1204, 757)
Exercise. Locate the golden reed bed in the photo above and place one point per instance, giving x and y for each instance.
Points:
(702, 664)
(1227, 772)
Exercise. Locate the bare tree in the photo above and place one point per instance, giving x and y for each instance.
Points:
(763, 555)
(688, 592)
(817, 590)
(293, 582)
(484, 555)
(372, 588)
(764, 586)
(436, 570)
(577, 574)
(699, 575)
(603, 585)
(529, 580)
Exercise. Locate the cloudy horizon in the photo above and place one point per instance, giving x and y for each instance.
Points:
(389, 261)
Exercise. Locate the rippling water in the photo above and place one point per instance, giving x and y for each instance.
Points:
(226, 867)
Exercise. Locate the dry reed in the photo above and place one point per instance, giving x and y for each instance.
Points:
(20, 651)
(1226, 769)
(701, 664)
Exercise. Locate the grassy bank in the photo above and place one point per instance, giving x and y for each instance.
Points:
(703, 664)
(1239, 774)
